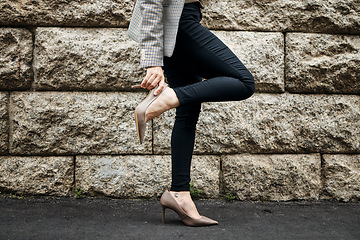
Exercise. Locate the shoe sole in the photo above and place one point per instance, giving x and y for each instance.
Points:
(137, 125)
(137, 120)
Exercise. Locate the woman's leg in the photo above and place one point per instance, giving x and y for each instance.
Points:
(182, 137)
(199, 54)
(183, 133)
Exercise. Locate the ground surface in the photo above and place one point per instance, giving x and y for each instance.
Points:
(103, 218)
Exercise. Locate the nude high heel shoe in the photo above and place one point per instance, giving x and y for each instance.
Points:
(140, 111)
(168, 201)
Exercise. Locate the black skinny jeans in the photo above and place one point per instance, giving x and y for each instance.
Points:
(199, 54)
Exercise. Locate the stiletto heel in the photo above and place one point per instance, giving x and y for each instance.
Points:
(168, 201)
(140, 110)
(163, 214)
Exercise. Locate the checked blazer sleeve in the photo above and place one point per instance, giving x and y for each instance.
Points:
(151, 34)
(154, 25)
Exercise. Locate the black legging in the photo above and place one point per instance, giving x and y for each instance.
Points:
(199, 54)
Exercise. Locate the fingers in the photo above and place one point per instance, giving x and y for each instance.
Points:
(160, 88)
(154, 75)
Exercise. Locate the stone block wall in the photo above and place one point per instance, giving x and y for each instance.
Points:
(66, 106)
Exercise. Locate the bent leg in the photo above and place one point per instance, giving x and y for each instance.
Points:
(198, 50)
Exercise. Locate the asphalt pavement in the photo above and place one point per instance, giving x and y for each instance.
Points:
(105, 218)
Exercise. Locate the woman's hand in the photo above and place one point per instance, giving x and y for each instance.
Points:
(154, 76)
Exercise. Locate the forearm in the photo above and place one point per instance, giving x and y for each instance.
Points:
(151, 33)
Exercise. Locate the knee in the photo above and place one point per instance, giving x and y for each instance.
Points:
(250, 85)
(251, 89)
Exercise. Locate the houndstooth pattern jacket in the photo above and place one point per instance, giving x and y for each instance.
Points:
(154, 24)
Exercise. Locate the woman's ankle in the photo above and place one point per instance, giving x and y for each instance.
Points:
(166, 101)
(180, 194)
(185, 201)
(173, 99)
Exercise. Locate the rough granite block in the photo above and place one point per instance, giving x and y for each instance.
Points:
(322, 63)
(15, 58)
(272, 177)
(103, 59)
(103, 13)
(341, 177)
(4, 123)
(76, 123)
(37, 175)
(330, 16)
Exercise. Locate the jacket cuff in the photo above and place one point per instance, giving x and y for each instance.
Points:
(150, 60)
